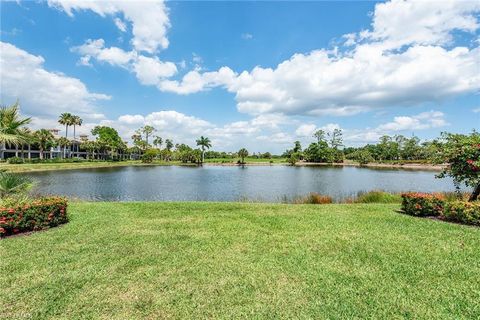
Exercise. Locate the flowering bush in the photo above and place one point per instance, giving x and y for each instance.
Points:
(423, 204)
(38, 214)
(462, 154)
(463, 212)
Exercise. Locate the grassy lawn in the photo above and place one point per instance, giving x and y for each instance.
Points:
(30, 167)
(238, 260)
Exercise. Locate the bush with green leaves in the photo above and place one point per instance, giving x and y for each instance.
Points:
(149, 155)
(377, 196)
(362, 156)
(12, 184)
(35, 215)
(423, 204)
(463, 212)
(462, 154)
(15, 160)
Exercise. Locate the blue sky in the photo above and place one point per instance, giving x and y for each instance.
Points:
(247, 74)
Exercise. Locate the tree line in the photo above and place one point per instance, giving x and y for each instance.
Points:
(329, 148)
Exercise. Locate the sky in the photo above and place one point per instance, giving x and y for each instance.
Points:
(248, 74)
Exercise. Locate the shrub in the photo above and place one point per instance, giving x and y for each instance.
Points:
(463, 212)
(38, 214)
(313, 198)
(377, 196)
(423, 204)
(11, 184)
(15, 160)
(149, 155)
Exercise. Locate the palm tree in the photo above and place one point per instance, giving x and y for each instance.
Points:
(76, 121)
(11, 184)
(243, 153)
(204, 142)
(67, 120)
(44, 138)
(63, 143)
(11, 126)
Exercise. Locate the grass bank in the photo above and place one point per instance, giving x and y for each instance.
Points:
(238, 260)
(32, 167)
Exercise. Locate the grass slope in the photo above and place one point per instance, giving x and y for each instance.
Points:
(234, 260)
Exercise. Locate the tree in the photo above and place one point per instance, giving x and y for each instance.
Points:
(243, 153)
(149, 155)
(336, 139)
(90, 147)
(363, 156)
(204, 142)
(108, 138)
(44, 139)
(319, 135)
(147, 131)
(67, 120)
(294, 158)
(157, 142)
(297, 147)
(11, 125)
(63, 143)
(462, 154)
(76, 121)
(169, 144)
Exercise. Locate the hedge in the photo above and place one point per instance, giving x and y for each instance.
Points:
(40, 214)
(423, 204)
(463, 212)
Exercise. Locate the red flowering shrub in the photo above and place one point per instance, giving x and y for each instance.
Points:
(422, 204)
(463, 212)
(36, 215)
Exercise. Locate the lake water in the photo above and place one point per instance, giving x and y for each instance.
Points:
(217, 183)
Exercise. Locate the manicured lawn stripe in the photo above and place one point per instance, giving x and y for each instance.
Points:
(237, 260)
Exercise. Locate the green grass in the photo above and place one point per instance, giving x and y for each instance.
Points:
(31, 167)
(237, 260)
(377, 196)
(248, 160)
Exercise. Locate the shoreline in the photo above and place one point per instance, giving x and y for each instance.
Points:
(43, 167)
(406, 166)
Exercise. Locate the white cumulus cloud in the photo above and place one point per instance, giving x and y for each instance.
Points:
(40, 91)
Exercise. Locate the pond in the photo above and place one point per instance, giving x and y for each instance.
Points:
(218, 183)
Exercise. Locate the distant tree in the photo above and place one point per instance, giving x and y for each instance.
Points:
(67, 120)
(204, 143)
(319, 135)
(76, 121)
(157, 142)
(243, 153)
(147, 131)
(297, 147)
(294, 158)
(63, 143)
(169, 144)
(362, 156)
(462, 154)
(108, 139)
(90, 147)
(336, 138)
(149, 155)
(44, 139)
